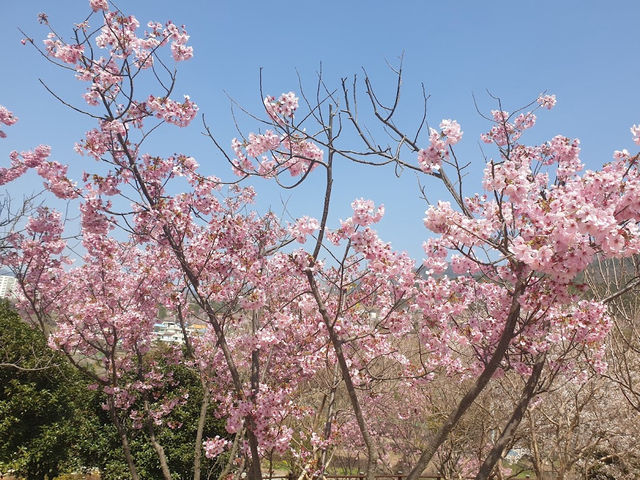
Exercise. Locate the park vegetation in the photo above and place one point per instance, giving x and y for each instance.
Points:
(512, 349)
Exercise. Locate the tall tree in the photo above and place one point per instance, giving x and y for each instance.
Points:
(277, 315)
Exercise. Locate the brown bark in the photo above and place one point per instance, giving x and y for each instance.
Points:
(197, 448)
(535, 450)
(255, 472)
(124, 441)
(509, 430)
(330, 413)
(164, 466)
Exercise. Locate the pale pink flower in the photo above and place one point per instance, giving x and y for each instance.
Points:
(179, 114)
(303, 227)
(547, 101)
(635, 131)
(451, 130)
(99, 5)
(8, 118)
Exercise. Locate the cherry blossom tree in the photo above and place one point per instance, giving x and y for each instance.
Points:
(281, 313)
(518, 251)
(197, 249)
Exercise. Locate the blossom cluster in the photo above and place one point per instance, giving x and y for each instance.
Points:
(285, 106)
(545, 221)
(547, 101)
(54, 173)
(170, 111)
(7, 118)
(275, 153)
(303, 227)
(214, 446)
(430, 158)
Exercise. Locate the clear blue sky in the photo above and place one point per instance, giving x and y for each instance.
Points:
(583, 51)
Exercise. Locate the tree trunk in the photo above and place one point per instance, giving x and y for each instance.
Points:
(197, 448)
(511, 426)
(328, 424)
(255, 472)
(164, 466)
(479, 385)
(123, 440)
(346, 376)
(535, 451)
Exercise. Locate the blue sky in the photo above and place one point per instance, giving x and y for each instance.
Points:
(583, 51)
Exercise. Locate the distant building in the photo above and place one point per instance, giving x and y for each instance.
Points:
(515, 454)
(7, 286)
(197, 328)
(169, 331)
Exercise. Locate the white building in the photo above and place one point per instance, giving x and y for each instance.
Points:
(169, 332)
(7, 286)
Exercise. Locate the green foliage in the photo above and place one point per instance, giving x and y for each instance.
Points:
(178, 442)
(51, 423)
(39, 396)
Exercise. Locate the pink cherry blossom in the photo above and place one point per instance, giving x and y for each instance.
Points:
(303, 227)
(365, 212)
(547, 101)
(451, 130)
(215, 446)
(275, 153)
(179, 114)
(97, 5)
(62, 51)
(7, 118)
(635, 131)
(284, 106)
(431, 157)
